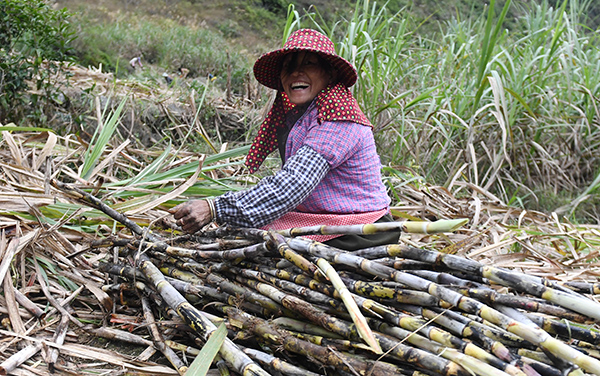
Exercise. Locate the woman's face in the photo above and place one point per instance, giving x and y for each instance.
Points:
(303, 76)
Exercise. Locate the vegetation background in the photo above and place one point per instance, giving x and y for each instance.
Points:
(501, 96)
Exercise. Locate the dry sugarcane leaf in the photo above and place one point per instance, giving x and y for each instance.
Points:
(104, 299)
(7, 257)
(174, 193)
(46, 151)
(20, 201)
(359, 320)
(109, 158)
(11, 305)
(98, 354)
(13, 147)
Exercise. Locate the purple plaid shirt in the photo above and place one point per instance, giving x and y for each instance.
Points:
(353, 183)
(331, 167)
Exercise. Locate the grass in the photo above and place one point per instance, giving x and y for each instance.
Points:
(162, 43)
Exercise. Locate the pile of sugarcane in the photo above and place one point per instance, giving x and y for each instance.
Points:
(293, 306)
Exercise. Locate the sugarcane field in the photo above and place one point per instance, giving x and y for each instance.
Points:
(492, 171)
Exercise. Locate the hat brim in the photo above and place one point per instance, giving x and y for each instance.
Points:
(267, 68)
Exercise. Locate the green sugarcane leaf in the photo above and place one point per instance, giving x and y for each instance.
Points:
(188, 169)
(424, 95)
(521, 100)
(201, 364)
(153, 167)
(100, 140)
(12, 127)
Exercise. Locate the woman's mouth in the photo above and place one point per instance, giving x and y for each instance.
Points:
(299, 85)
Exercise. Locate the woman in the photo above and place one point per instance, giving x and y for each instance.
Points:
(331, 170)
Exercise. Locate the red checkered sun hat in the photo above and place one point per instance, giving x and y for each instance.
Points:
(267, 68)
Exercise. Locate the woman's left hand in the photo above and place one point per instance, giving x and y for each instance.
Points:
(191, 216)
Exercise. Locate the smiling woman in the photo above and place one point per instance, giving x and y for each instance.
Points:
(303, 76)
(331, 170)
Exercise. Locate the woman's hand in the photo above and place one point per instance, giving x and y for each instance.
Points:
(191, 216)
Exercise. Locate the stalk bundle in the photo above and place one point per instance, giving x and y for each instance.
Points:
(366, 316)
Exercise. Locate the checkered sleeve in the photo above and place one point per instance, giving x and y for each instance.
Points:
(274, 195)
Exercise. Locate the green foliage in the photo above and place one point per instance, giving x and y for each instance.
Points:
(513, 111)
(160, 42)
(99, 141)
(34, 43)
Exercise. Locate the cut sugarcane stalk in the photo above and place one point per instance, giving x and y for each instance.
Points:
(417, 227)
(357, 317)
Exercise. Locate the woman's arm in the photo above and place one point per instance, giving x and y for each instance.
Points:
(274, 195)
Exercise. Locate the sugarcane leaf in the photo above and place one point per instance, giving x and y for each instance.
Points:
(189, 169)
(67, 283)
(174, 193)
(202, 131)
(13, 127)
(201, 364)
(421, 97)
(133, 204)
(153, 167)
(100, 140)
(402, 214)
(521, 100)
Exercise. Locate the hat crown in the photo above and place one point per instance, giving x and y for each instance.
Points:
(308, 39)
(267, 68)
